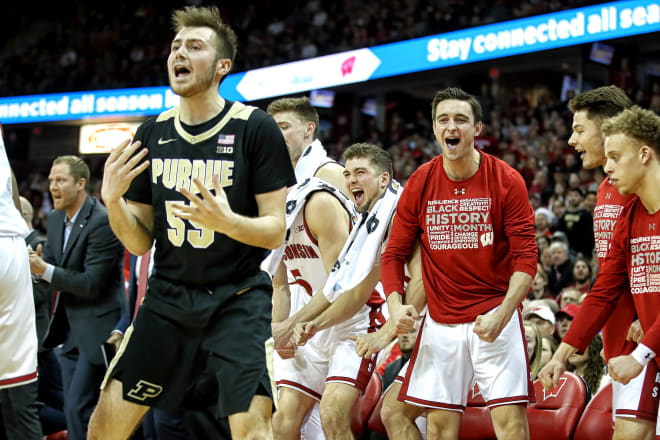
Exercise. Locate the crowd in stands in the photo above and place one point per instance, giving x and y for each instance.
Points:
(54, 47)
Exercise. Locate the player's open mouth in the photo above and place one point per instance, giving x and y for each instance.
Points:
(358, 195)
(452, 142)
(181, 71)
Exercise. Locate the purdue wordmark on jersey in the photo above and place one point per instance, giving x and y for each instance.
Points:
(178, 173)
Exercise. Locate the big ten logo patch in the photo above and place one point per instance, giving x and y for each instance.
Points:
(145, 390)
(224, 149)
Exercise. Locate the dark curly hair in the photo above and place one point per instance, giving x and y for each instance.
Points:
(594, 369)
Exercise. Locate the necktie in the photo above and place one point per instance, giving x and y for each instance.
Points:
(142, 280)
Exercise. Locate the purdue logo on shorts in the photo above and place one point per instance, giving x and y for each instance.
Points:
(144, 390)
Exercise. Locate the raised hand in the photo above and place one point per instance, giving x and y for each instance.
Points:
(121, 167)
(210, 211)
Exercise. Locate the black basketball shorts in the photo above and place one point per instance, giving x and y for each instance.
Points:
(179, 328)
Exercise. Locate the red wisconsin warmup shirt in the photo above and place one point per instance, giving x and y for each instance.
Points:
(634, 261)
(609, 204)
(475, 233)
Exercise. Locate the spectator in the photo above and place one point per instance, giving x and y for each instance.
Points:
(590, 366)
(544, 319)
(545, 258)
(539, 183)
(564, 318)
(542, 242)
(534, 339)
(540, 284)
(535, 200)
(561, 274)
(577, 223)
(582, 275)
(548, 348)
(547, 302)
(569, 295)
(590, 202)
(543, 220)
(560, 236)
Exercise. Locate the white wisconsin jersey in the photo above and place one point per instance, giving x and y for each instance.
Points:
(11, 221)
(304, 264)
(307, 276)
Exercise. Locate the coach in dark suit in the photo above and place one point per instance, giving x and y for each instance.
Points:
(82, 260)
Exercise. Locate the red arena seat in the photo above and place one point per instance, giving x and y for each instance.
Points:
(556, 413)
(596, 421)
(366, 403)
(375, 423)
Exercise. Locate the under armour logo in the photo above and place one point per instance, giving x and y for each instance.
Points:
(459, 191)
(608, 196)
(651, 226)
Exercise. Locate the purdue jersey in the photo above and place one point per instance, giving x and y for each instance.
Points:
(245, 147)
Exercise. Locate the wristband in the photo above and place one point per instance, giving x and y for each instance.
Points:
(643, 354)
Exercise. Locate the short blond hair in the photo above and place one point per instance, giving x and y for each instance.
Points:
(208, 16)
(638, 124)
(301, 106)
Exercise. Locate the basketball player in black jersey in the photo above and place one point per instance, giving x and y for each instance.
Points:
(207, 181)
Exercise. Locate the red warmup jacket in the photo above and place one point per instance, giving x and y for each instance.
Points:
(609, 204)
(633, 261)
(475, 234)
